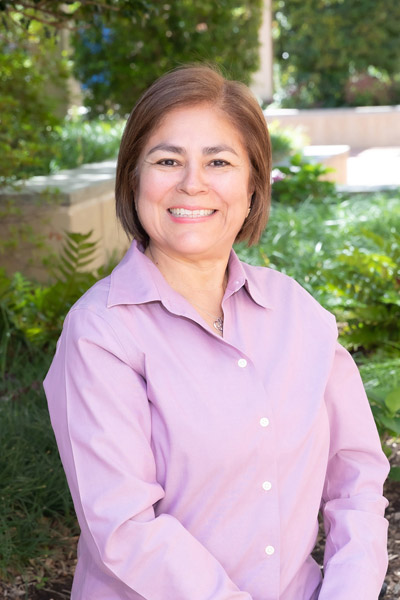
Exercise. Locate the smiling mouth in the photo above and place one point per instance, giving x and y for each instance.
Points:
(184, 212)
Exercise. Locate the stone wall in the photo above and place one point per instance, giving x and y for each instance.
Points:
(79, 200)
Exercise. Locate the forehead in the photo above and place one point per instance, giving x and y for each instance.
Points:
(201, 120)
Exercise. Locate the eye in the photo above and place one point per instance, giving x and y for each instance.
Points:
(219, 162)
(167, 162)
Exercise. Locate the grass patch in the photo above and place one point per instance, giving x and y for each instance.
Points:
(35, 503)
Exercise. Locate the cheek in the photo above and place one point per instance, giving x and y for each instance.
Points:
(155, 187)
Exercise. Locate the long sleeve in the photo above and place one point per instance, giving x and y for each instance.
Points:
(353, 506)
(102, 421)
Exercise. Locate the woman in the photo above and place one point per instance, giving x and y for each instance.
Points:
(203, 409)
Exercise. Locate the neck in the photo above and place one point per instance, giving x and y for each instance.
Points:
(200, 282)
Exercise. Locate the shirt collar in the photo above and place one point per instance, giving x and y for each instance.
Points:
(244, 275)
(136, 280)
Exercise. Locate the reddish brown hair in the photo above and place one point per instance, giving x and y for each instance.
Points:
(188, 86)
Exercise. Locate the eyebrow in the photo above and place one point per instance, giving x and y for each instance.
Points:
(216, 149)
(179, 150)
(167, 148)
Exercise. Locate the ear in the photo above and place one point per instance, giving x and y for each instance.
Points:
(251, 200)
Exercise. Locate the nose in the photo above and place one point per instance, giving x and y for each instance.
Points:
(193, 180)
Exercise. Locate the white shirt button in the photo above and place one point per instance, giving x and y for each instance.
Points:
(269, 550)
(264, 422)
(267, 485)
(242, 362)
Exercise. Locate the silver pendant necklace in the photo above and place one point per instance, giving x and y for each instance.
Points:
(218, 322)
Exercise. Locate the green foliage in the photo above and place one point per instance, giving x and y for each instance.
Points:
(386, 410)
(364, 278)
(32, 314)
(345, 252)
(80, 142)
(56, 14)
(284, 142)
(332, 52)
(32, 75)
(382, 383)
(74, 142)
(118, 57)
(301, 181)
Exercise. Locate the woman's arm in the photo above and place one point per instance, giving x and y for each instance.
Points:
(353, 506)
(102, 422)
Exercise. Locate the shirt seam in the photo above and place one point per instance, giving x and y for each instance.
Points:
(115, 334)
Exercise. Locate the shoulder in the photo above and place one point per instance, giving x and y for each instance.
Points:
(285, 295)
(92, 328)
(89, 314)
(95, 298)
(89, 318)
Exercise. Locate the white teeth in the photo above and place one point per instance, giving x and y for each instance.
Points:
(184, 212)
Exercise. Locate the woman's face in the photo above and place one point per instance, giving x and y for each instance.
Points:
(194, 184)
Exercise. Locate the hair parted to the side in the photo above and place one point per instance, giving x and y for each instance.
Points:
(188, 86)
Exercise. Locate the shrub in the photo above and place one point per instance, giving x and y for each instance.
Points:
(382, 383)
(117, 58)
(80, 142)
(300, 181)
(365, 281)
(31, 314)
(284, 142)
(321, 46)
(32, 75)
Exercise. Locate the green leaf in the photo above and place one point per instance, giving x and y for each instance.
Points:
(392, 401)
(394, 473)
(391, 424)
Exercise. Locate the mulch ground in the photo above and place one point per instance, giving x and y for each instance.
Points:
(56, 573)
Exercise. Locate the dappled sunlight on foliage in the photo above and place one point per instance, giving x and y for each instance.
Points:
(32, 83)
(337, 53)
(117, 58)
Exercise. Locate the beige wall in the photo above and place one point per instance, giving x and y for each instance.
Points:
(363, 127)
(82, 208)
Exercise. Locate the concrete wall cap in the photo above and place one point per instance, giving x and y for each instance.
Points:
(69, 186)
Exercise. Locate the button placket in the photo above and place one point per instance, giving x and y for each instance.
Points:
(267, 486)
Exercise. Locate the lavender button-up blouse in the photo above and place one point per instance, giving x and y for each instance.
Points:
(198, 464)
